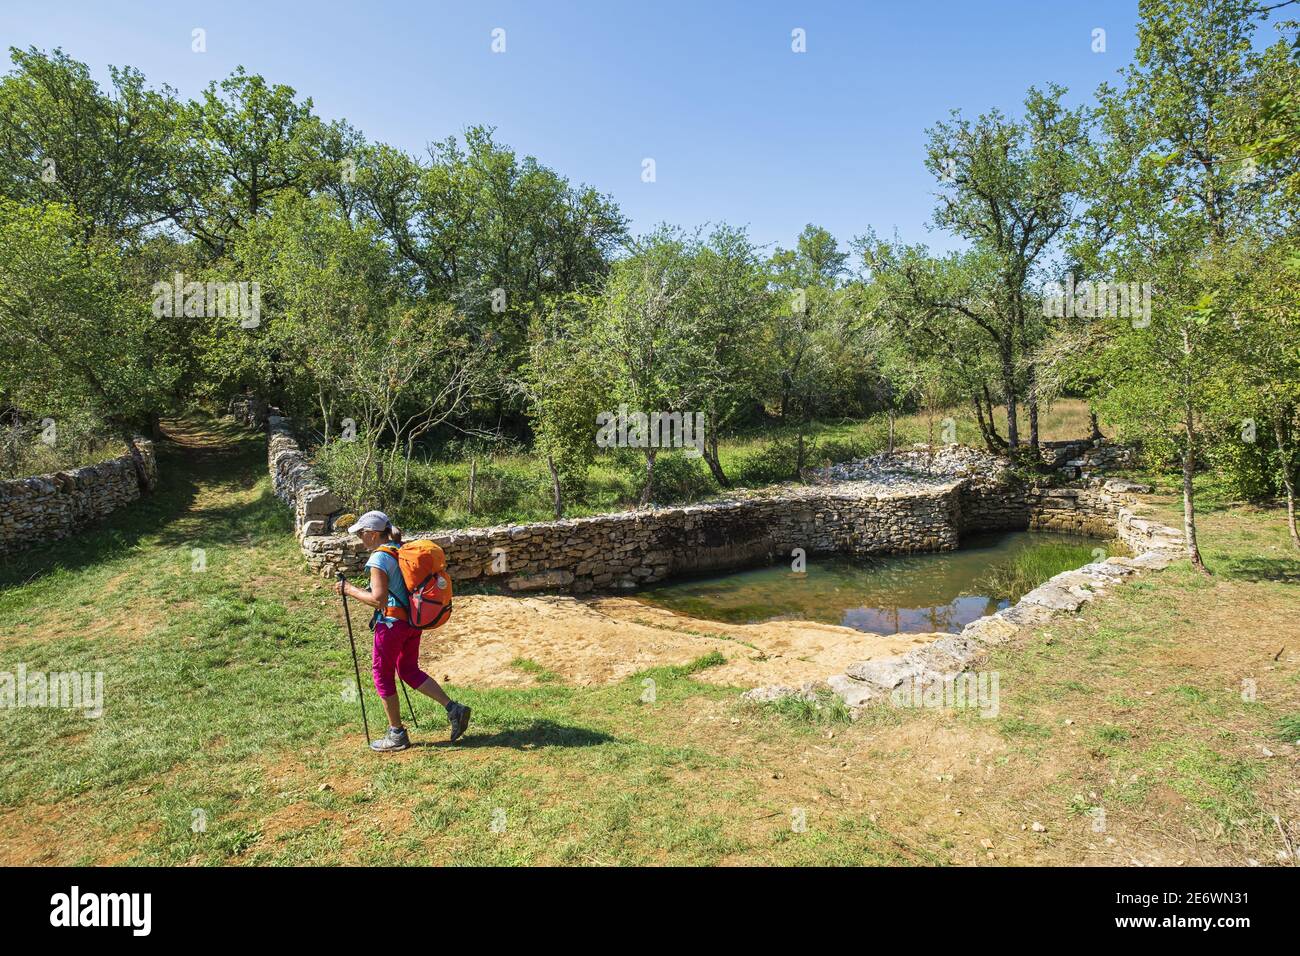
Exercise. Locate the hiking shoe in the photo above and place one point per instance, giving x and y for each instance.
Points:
(392, 741)
(458, 714)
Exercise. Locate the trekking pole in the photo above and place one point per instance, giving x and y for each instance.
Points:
(356, 668)
(409, 706)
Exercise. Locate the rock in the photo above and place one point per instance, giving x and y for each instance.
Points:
(883, 674)
(1154, 560)
(948, 655)
(1025, 614)
(855, 693)
(537, 582)
(1054, 597)
(990, 630)
(1121, 486)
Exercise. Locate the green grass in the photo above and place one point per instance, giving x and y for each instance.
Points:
(1028, 569)
(535, 670)
(1288, 728)
(821, 710)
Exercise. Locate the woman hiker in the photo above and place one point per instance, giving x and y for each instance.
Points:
(397, 643)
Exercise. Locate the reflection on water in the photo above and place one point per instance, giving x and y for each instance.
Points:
(888, 595)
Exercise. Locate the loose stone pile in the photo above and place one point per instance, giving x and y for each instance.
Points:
(919, 467)
(59, 504)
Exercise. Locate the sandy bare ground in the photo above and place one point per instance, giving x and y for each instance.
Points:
(588, 641)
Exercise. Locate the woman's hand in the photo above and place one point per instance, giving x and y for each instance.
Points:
(341, 587)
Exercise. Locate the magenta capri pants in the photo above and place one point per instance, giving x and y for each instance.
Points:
(397, 650)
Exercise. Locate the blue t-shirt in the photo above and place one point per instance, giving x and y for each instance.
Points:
(396, 584)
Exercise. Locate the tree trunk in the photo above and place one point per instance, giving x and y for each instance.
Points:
(1189, 506)
(1288, 481)
(891, 429)
(473, 479)
(1009, 390)
(799, 456)
(406, 469)
(1033, 412)
(712, 460)
(648, 491)
(556, 496)
(999, 443)
(984, 425)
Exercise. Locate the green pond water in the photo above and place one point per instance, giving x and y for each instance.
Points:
(886, 595)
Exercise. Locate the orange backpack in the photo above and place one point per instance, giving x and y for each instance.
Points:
(428, 586)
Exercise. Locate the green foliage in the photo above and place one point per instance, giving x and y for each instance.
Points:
(63, 140)
(1028, 569)
(238, 147)
(44, 444)
(1247, 468)
(565, 390)
(74, 336)
(678, 478)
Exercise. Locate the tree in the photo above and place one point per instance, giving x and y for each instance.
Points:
(1259, 396)
(803, 278)
(928, 307)
(104, 156)
(1009, 188)
(238, 146)
(73, 334)
(564, 388)
(326, 282)
(641, 322)
(495, 235)
(731, 314)
(1169, 188)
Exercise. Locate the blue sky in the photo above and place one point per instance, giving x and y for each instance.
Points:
(741, 128)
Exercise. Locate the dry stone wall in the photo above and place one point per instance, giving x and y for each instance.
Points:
(295, 482)
(60, 504)
(633, 548)
(964, 492)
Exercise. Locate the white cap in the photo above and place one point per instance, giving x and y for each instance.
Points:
(371, 521)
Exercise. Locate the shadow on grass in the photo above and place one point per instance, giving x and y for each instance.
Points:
(537, 734)
(1283, 570)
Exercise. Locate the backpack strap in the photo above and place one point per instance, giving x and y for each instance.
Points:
(399, 606)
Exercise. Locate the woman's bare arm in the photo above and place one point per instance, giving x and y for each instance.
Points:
(376, 596)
